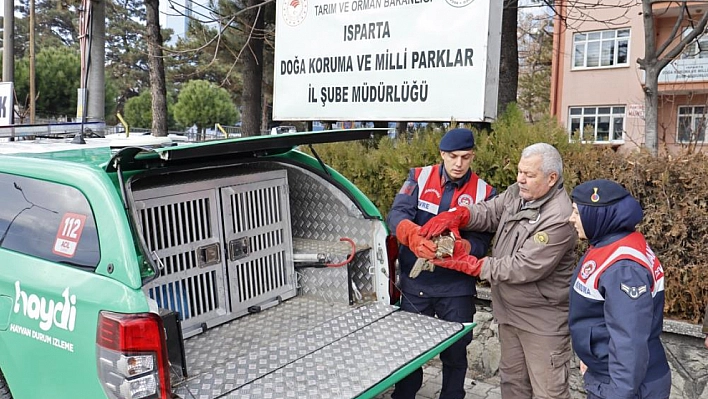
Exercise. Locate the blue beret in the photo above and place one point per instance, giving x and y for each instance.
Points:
(599, 193)
(457, 139)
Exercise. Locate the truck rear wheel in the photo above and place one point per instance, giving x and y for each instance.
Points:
(4, 389)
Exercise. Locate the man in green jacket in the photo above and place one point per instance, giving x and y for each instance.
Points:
(529, 272)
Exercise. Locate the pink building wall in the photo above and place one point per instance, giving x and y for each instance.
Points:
(620, 86)
(603, 86)
(675, 95)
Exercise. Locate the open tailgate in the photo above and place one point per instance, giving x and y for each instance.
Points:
(308, 348)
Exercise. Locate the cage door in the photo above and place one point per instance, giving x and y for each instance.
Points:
(184, 231)
(258, 241)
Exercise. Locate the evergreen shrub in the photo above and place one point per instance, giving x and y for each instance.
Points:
(674, 195)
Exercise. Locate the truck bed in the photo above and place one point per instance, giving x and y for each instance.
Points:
(242, 254)
(306, 347)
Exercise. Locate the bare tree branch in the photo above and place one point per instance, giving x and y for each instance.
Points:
(674, 30)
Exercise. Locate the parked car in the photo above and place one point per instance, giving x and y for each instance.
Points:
(283, 129)
(234, 268)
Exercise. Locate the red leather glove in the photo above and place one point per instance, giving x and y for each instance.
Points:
(451, 220)
(462, 246)
(461, 260)
(408, 234)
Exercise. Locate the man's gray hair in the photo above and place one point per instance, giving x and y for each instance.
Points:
(551, 158)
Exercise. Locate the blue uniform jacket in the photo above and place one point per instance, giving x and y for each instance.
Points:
(617, 336)
(441, 282)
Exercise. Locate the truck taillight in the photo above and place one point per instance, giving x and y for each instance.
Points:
(132, 356)
(392, 250)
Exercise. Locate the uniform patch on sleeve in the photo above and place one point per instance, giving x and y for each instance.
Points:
(633, 292)
(541, 238)
(408, 187)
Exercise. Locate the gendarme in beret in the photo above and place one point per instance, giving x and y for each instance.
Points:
(457, 139)
(599, 192)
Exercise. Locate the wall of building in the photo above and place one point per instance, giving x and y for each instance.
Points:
(604, 86)
(176, 14)
(668, 116)
(684, 82)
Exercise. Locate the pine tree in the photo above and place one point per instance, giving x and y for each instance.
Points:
(126, 49)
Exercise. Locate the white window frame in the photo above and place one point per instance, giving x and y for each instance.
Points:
(697, 49)
(603, 45)
(589, 118)
(698, 119)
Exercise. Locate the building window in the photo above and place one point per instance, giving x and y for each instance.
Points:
(697, 49)
(602, 49)
(691, 124)
(597, 124)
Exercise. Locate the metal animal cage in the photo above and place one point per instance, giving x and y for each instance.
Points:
(225, 245)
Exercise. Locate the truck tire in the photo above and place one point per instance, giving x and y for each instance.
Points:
(4, 389)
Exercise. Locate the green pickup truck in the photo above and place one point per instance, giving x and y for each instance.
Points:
(239, 268)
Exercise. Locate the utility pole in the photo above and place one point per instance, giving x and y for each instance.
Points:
(84, 47)
(31, 62)
(92, 39)
(8, 45)
(96, 108)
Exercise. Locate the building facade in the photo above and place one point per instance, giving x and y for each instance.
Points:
(177, 15)
(597, 86)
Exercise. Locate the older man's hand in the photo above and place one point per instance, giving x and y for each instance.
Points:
(461, 260)
(451, 220)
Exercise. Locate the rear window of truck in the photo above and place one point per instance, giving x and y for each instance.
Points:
(47, 220)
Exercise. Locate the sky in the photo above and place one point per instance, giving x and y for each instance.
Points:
(168, 17)
(166, 13)
(2, 9)
(164, 7)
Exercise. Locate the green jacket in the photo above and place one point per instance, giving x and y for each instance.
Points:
(532, 258)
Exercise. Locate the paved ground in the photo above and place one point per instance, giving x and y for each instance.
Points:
(432, 383)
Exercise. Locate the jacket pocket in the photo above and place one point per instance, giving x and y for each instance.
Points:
(524, 295)
(599, 343)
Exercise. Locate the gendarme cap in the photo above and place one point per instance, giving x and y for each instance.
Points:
(599, 192)
(457, 139)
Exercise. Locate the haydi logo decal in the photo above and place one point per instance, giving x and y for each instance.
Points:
(61, 314)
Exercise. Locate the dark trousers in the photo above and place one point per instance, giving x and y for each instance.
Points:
(454, 358)
(599, 387)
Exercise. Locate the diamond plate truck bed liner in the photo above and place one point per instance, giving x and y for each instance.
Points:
(306, 347)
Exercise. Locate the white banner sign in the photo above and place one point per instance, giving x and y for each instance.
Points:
(7, 103)
(685, 70)
(394, 60)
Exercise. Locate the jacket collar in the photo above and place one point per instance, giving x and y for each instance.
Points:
(532, 210)
(444, 178)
